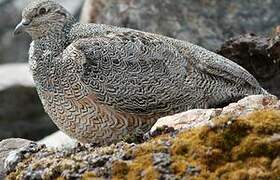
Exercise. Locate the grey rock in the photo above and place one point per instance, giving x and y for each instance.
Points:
(161, 162)
(7, 146)
(206, 23)
(21, 112)
(22, 115)
(17, 155)
(99, 161)
(10, 15)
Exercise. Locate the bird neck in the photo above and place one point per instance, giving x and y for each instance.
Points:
(43, 54)
(56, 40)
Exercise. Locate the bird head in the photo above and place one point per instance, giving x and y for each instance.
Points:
(41, 17)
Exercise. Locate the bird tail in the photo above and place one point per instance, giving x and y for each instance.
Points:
(265, 92)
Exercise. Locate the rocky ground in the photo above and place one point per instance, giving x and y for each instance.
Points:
(242, 141)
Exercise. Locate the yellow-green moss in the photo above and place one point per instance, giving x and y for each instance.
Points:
(263, 122)
(90, 176)
(254, 145)
(119, 169)
(231, 148)
(179, 148)
(142, 168)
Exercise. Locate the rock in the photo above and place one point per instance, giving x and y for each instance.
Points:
(259, 55)
(7, 146)
(22, 77)
(207, 23)
(58, 140)
(245, 144)
(250, 104)
(187, 120)
(73, 7)
(10, 13)
(10, 16)
(200, 117)
(16, 156)
(21, 111)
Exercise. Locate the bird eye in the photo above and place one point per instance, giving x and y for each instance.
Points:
(42, 11)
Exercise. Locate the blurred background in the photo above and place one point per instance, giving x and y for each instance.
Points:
(208, 23)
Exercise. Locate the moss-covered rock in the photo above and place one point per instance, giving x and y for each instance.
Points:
(244, 147)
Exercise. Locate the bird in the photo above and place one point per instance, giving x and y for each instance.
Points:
(100, 83)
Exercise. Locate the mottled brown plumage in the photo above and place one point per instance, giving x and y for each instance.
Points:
(99, 83)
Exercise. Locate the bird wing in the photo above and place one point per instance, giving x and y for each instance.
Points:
(214, 64)
(144, 73)
(133, 71)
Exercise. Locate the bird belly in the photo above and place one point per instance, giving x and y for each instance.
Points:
(90, 122)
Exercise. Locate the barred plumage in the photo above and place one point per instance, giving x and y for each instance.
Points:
(100, 82)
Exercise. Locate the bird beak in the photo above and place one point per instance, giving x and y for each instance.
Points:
(21, 26)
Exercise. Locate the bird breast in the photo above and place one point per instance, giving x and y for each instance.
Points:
(32, 59)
